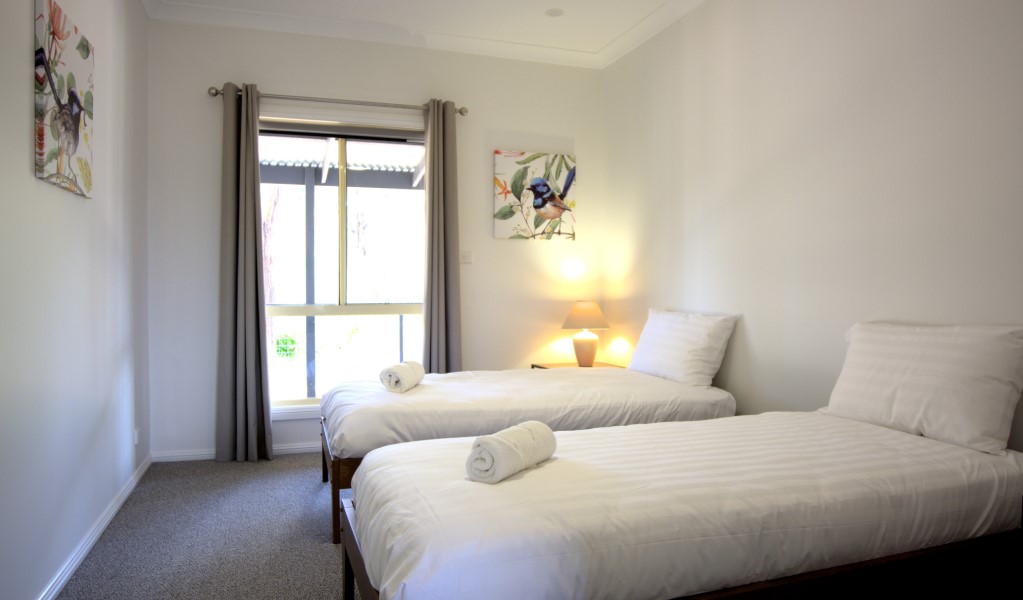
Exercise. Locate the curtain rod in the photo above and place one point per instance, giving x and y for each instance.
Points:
(214, 92)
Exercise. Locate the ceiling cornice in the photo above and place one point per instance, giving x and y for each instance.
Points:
(653, 24)
(174, 10)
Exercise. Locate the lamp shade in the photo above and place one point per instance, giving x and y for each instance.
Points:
(585, 315)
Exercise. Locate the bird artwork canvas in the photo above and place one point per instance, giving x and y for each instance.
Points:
(64, 65)
(535, 195)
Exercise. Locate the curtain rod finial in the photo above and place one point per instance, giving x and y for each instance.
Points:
(212, 91)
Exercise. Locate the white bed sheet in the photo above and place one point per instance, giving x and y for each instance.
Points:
(362, 415)
(670, 509)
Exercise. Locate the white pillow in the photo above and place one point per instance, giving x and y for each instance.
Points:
(956, 384)
(683, 347)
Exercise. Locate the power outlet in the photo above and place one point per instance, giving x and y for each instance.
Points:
(465, 257)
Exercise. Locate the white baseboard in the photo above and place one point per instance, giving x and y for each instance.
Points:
(297, 447)
(290, 413)
(176, 455)
(82, 550)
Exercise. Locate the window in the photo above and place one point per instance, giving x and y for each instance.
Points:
(343, 259)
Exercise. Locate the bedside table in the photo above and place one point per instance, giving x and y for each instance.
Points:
(573, 366)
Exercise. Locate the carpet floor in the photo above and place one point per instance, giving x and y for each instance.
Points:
(203, 529)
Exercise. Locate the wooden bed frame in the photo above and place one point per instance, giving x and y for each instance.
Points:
(339, 472)
(979, 567)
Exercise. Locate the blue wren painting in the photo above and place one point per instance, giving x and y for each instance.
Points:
(63, 113)
(535, 195)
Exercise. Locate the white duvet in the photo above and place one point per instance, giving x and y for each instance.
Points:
(362, 415)
(670, 509)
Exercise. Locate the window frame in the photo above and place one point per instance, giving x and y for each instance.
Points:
(299, 407)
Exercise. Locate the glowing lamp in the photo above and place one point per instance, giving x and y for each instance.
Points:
(586, 316)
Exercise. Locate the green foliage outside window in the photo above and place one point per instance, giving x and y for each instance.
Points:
(286, 346)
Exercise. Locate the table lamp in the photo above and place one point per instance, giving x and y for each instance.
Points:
(586, 316)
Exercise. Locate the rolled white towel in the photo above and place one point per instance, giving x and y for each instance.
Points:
(505, 453)
(402, 377)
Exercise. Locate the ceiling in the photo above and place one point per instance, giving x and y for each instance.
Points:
(589, 33)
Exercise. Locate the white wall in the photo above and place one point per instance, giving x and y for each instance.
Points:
(73, 357)
(812, 164)
(514, 296)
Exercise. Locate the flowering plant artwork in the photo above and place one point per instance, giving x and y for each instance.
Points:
(535, 195)
(64, 65)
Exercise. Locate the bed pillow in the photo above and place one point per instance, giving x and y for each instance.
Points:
(951, 383)
(683, 347)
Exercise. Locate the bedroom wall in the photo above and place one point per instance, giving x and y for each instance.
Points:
(73, 368)
(514, 295)
(813, 164)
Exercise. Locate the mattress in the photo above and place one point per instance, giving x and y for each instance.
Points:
(670, 509)
(362, 416)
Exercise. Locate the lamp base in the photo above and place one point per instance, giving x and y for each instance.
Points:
(585, 344)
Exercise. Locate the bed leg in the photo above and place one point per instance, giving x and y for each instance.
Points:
(323, 457)
(335, 509)
(347, 577)
(335, 500)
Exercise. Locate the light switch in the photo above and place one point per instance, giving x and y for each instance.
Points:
(465, 257)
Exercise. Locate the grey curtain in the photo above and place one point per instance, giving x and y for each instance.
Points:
(243, 401)
(442, 344)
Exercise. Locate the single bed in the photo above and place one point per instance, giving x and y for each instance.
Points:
(668, 379)
(669, 509)
(909, 456)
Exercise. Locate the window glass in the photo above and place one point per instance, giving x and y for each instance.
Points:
(325, 228)
(386, 245)
(283, 243)
(343, 260)
(286, 360)
(357, 347)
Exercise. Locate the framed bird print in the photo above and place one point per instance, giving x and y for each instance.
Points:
(64, 66)
(535, 195)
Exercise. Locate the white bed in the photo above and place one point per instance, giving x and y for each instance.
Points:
(670, 509)
(363, 416)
